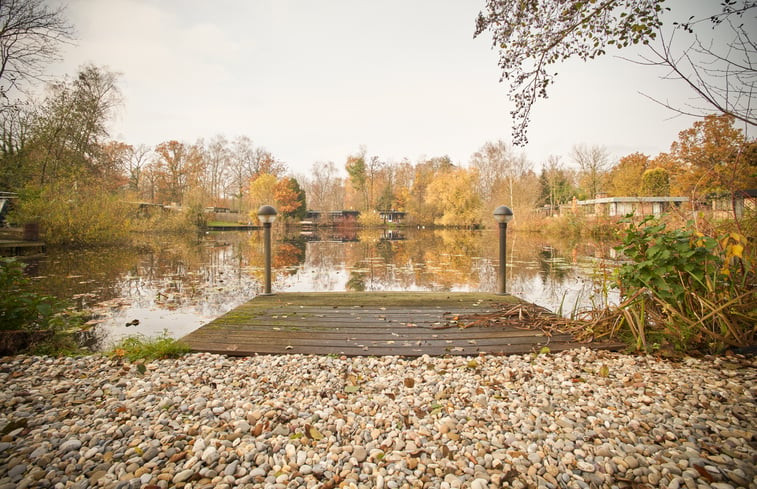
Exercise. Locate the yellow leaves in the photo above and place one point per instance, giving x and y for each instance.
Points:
(737, 250)
(733, 247)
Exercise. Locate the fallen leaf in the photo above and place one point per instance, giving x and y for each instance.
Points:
(314, 434)
(703, 472)
(604, 371)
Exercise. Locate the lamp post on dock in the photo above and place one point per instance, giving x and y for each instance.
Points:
(267, 214)
(502, 215)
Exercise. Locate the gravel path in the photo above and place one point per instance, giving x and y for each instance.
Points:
(576, 419)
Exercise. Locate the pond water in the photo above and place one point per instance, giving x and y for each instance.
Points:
(177, 284)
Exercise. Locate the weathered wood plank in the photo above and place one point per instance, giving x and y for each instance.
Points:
(351, 350)
(375, 323)
(336, 334)
(341, 339)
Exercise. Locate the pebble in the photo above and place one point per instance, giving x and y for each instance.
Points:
(306, 421)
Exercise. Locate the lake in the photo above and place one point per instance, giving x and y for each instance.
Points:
(177, 284)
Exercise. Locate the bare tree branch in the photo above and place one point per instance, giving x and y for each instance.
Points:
(31, 33)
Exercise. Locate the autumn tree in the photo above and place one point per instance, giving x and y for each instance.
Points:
(454, 195)
(655, 182)
(419, 207)
(533, 36)
(593, 163)
(261, 192)
(179, 168)
(403, 173)
(290, 199)
(115, 155)
(710, 157)
(625, 178)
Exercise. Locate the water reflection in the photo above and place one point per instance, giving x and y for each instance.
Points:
(178, 284)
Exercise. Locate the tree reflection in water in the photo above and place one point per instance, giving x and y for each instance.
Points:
(180, 283)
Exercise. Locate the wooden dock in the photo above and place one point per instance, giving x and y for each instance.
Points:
(373, 324)
(21, 248)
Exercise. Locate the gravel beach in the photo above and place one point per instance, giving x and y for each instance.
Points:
(576, 419)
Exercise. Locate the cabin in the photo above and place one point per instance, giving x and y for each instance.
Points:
(621, 206)
(726, 206)
(395, 217)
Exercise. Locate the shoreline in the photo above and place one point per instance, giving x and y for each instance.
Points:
(579, 418)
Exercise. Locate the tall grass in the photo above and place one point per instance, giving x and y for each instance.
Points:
(139, 347)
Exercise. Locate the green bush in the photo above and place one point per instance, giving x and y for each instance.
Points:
(692, 291)
(20, 307)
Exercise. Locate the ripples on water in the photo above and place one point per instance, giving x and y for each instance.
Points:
(179, 284)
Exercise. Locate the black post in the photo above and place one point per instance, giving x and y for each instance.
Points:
(267, 239)
(502, 279)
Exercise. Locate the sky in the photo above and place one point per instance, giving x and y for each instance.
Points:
(315, 80)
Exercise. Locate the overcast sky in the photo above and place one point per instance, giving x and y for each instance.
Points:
(315, 80)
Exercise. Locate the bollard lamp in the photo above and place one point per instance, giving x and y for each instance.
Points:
(502, 215)
(267, 214)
